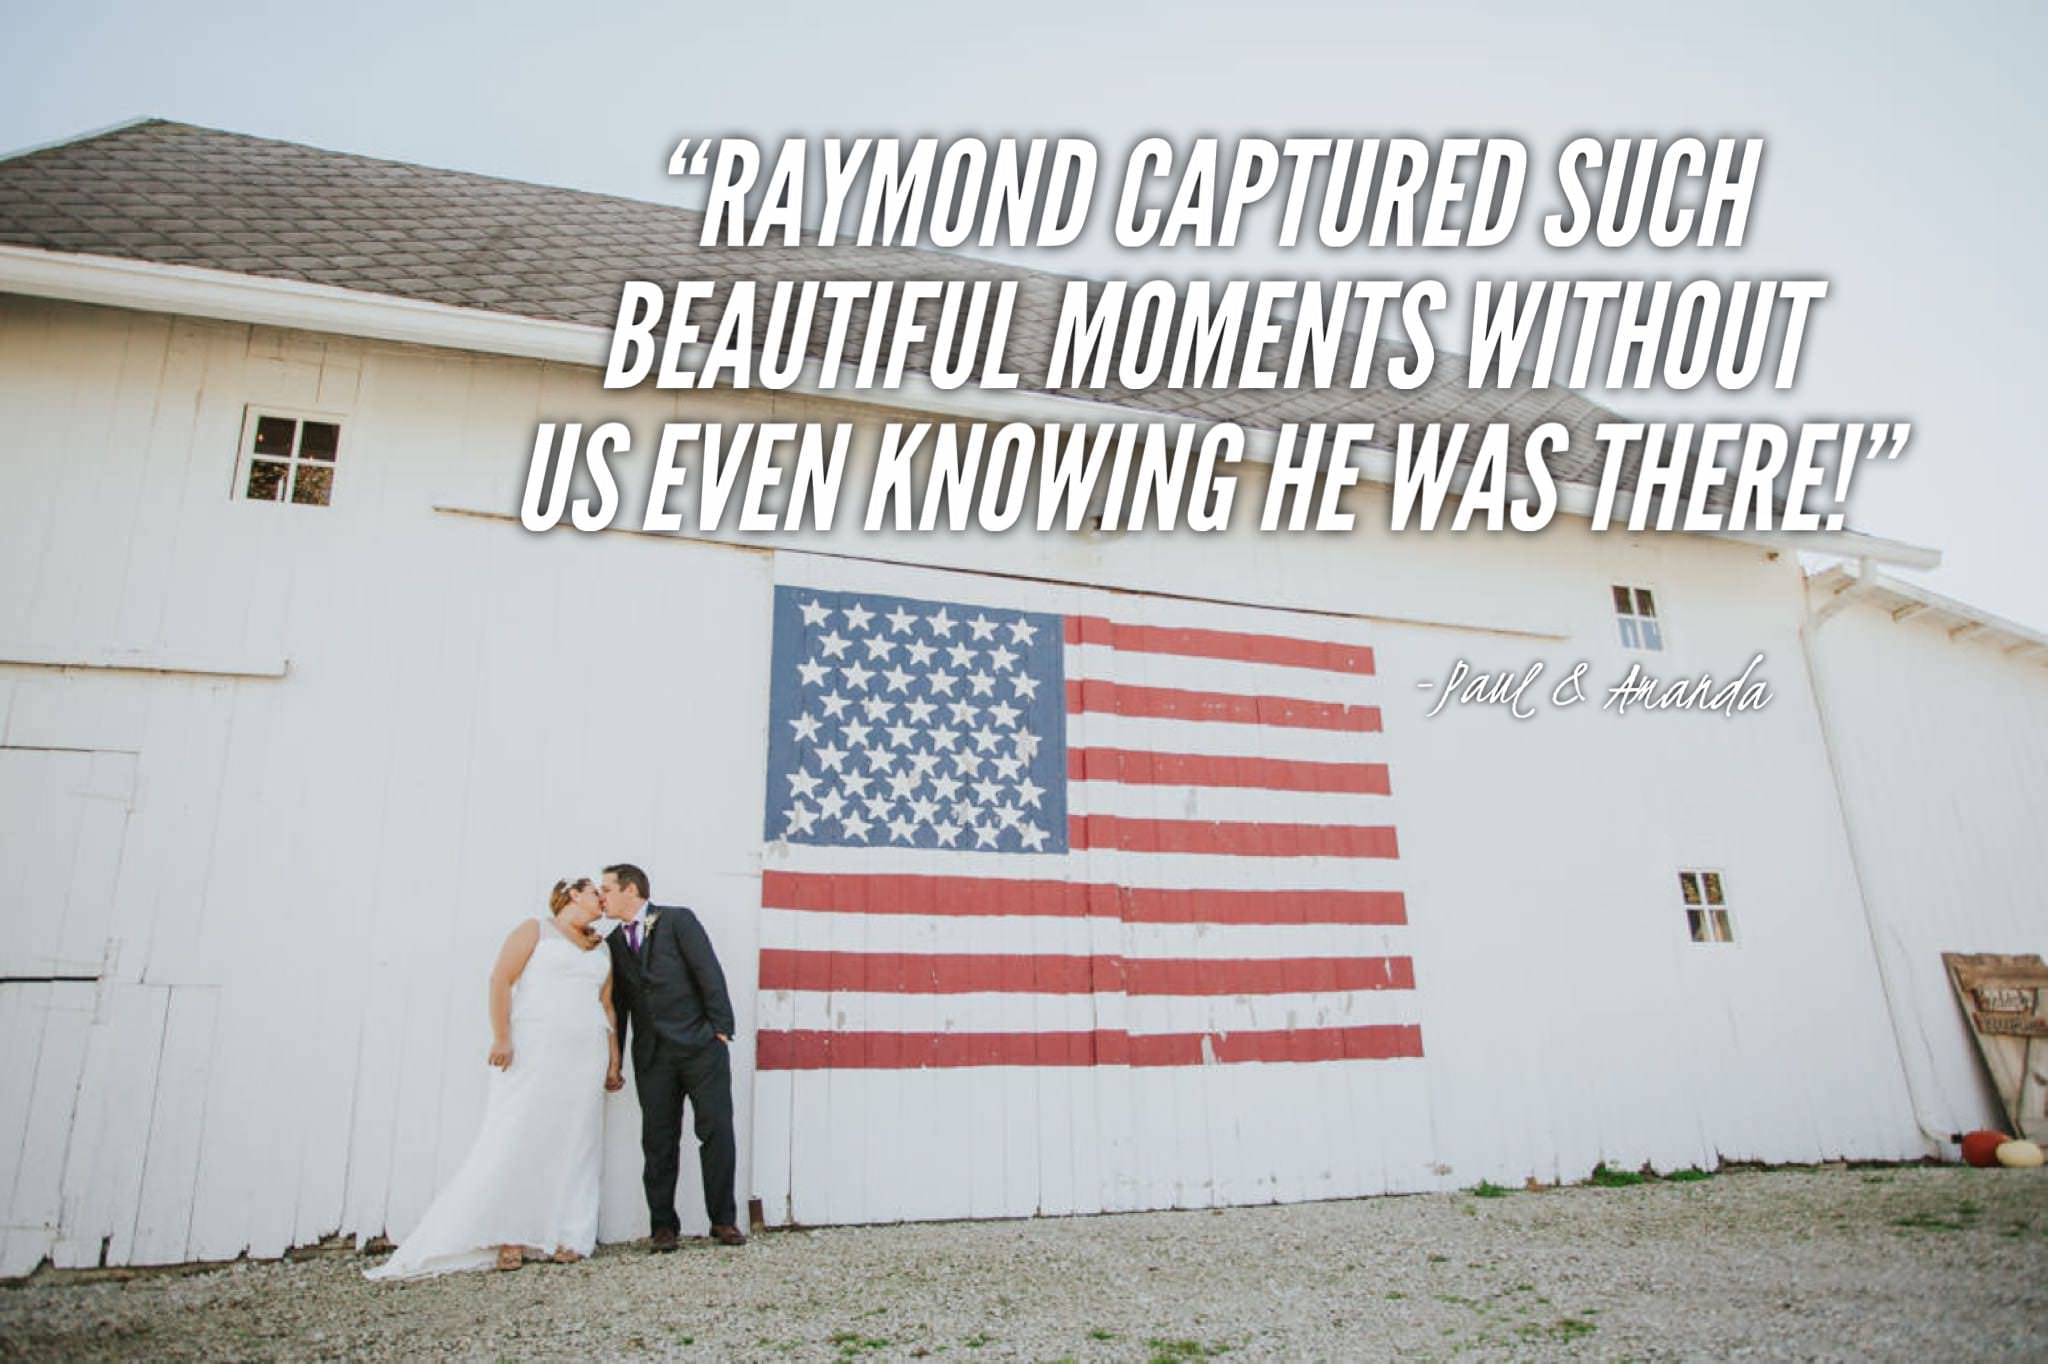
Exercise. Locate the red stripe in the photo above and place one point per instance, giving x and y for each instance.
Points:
(1137, 768)
(806, 1049)
(1173, 703)
(910, 973)
(1234, 839)
(1228, 644)
(977, 895)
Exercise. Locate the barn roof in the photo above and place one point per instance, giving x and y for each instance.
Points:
(174, 195)
(183, 195)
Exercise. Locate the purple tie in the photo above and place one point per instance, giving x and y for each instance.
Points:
(633, 935)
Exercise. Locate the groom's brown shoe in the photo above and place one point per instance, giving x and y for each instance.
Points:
(728, 1236)
(664, 1238)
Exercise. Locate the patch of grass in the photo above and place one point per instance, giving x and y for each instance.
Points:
(1171, 1351)
(1926, 1221)
(978, 1339)
(1690, 1176)
(852, 1344)
(1488, 1189)
(1436, 1259)
(1564, 1328)
(1396, 1297)
(1097, 1333)
(1604, 1178)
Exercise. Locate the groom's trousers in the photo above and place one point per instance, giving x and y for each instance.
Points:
(703, 1075)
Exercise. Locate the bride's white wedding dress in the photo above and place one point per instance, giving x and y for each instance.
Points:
(531, 1178)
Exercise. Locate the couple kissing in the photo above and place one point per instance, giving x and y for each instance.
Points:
(603, 973)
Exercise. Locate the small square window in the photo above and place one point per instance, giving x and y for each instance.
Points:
(289, 459)
(1706, 913)
(1635, 616)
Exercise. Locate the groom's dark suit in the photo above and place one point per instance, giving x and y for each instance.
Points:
(672, 1004)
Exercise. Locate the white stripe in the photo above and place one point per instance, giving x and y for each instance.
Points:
(1235, 803)
(1017, 934)
(1235, 677)
(1157, 871)
(857, 1011)
(1093, 729)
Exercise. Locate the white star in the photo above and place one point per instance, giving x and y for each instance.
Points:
(896, 678)
(899, 620)
(920, 711)
(813, 673)
(878, 806)
(920, 652)
(965, 812)
(879, 759)
(1029, 791)
(1008, 814)
(923, 763)
(982, 683)
(1025, 685)
(856, 733)
(858, 616)
(879, 646)
(946, 787)
(986, 791)
(948, 832)
(1027, 745)
(982, 626)
(902, 830)
(877, 708)
(985, 739)
(1007, 767)
(1022, 631)
(924, 808)
(855, 825)
(901, 735)
(902, 785)
(941, 623)
(815, 612)
(966, 763)
(830, 756)
(1032, 837)
(834, 644)
(962, 656)
(801, 817)
(835, 705)
(802, 783)
(963, 711)
(806, 727)
(985, 835)
(1004, 714)
(942, 682)
(856, 784)
(943, 737)
(1002, 658)
(832, 803)
(857, 675)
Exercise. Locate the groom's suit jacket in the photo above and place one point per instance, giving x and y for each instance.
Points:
(672, 988)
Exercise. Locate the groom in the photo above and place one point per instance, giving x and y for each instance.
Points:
(674, 1009)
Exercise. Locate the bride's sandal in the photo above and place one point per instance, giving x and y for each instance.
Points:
(565, 1256)
(511, 1257)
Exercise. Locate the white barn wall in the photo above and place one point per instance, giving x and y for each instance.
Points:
(1942, 744)
(313, 869)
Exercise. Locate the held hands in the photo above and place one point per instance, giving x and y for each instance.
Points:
(501, 1054)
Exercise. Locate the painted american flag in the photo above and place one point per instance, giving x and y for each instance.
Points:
(1006, 837)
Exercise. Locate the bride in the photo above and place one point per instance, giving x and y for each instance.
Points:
(531, 1178)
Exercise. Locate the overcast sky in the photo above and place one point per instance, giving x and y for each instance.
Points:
(1903, 160)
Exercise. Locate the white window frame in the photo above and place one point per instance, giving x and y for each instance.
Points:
(246, 456)
(1718, 918)
(1632, 621)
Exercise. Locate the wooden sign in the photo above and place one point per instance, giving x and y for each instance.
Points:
(2005, 999)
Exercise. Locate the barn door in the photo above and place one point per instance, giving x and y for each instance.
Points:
(63, 814)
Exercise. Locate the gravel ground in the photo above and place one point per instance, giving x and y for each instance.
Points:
(1842, 1263)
